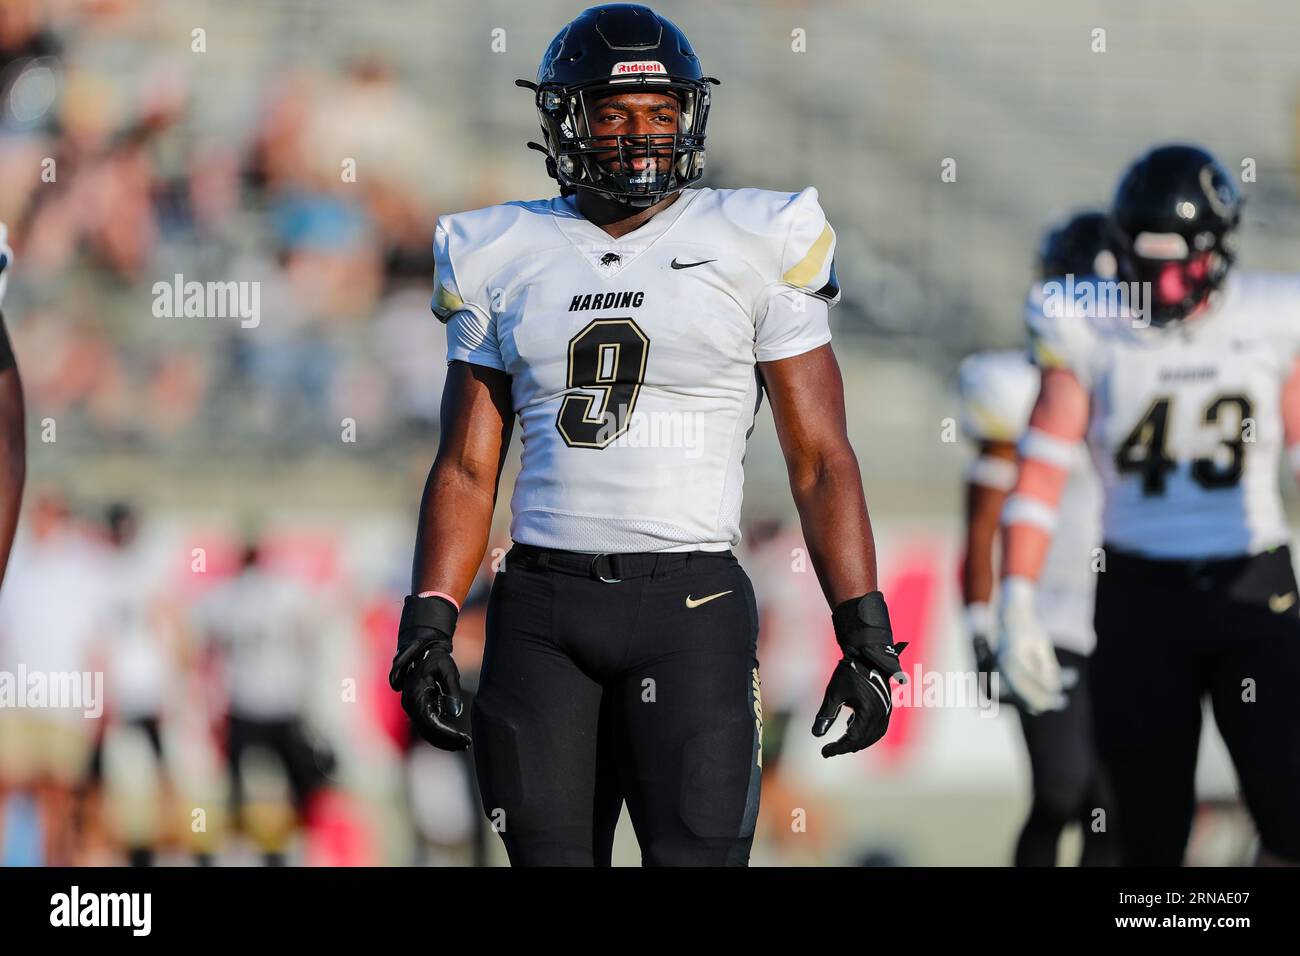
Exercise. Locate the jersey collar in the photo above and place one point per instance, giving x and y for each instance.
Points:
(606, 255)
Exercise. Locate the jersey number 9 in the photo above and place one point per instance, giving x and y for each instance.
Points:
(608, 357)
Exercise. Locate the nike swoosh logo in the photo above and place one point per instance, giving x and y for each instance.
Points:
(1277, 603)
(704, 600)
(690, 265)
(884, 697)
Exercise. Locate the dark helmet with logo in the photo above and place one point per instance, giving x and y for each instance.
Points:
(1174, 224)
(606, 49)
(1080, 246)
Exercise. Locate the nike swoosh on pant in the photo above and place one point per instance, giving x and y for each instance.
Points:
(704, 600)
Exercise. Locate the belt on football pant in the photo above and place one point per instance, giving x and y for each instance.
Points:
(1212, 572)
(610, 568)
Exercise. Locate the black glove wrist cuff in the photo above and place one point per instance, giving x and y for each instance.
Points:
(855, 614)
(426, 619)
(864, 634)
(428, 613)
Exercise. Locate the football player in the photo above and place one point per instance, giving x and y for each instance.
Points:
(632, 324)
(13, 444)
(1184, 382)
(997, 392)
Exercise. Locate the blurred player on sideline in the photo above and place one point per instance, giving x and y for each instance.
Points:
(13, 441)
(46, 635)
(998, 391)
(1185, 381)
(136, 641)
(262, 627)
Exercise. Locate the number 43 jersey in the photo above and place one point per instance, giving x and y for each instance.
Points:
(633, 360)
(1186, 425)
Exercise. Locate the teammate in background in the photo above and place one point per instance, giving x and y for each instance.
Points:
(621, 635)
(137, 643)
(261, 625)
(13, 441)
(997, 392)
(1188, 391)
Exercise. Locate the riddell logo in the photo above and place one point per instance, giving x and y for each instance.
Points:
(638, 66)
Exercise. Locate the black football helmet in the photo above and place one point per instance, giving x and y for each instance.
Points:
(1174, 224)
(612, 47)
(1080, 246)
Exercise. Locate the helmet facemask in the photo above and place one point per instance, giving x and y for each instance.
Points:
(1181, 274)
(607, 164)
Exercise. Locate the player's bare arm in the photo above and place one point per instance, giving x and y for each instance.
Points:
(1058, 422)
(807, 395)
(985, 499)
(461, 491)
(1056, 425)
(13, 440)
(984, 503)
(13, 455)
(1291, 416)
(455, 519)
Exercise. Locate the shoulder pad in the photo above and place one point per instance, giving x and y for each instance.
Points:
(1266, 305)
(470, 248)
(997, 391)
(1063, 328)
(794, 245)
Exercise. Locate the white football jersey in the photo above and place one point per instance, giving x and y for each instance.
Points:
(1186, 423)
(998, 391)
(632, 360)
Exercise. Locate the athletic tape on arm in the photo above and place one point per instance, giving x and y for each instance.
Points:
(990, 472)
(1049, 449)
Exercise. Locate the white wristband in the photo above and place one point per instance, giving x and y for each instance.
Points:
(979, 619)
(1022, 509)
(1017, 592)
(1047, 448)
(990, 472)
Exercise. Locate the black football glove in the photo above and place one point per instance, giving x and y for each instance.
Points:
(979, 624)
(425, 673)
(860, 680)
(986, 663)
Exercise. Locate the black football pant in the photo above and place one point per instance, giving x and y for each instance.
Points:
(1068, 781)
(285, 739)
(1169, 633)
(614, 678)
